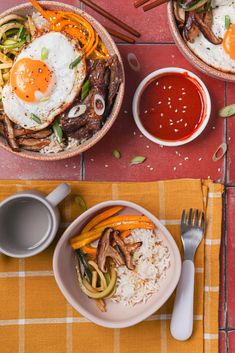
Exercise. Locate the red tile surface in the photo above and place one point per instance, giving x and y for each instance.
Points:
(231, 134)
(230, 263)
(231, 342)
(152, 25)
(192, 161)
(222, 342)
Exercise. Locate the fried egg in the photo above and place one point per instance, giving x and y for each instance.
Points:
(42, 84)
(221, 56)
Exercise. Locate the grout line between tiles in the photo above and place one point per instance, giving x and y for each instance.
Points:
(82, 167)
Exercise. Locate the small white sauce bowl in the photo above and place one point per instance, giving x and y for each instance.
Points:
(136, 101)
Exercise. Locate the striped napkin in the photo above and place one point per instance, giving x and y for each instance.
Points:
(34, 316)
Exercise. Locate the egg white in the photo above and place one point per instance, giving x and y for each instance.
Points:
(214, 55)
(61, 53)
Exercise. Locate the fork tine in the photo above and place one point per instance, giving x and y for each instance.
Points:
(190, 217)
(202, 225)
(196, 218)
(183, 217)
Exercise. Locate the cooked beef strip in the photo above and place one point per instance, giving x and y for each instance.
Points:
(104, 77)
(9, 133)
(33, 144)
(116, 77)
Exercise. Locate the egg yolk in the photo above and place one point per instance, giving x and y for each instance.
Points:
(31, 79)
(229, 41)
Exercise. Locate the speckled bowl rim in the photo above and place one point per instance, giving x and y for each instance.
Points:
(189, 55)
(118, 101)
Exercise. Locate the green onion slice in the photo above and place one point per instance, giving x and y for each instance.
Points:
(81, 203)
(36, 118)
(75, 62)
(44, 53)
(85, 89)
(227, 22)
(116, 154)
(227, 111)
(138, 160)
(58, 131)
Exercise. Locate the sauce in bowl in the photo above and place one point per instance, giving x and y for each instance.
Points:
(172, 106)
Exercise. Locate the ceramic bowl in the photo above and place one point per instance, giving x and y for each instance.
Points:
(25, 9)
(117, 315)
(188, 54)
(142, 86)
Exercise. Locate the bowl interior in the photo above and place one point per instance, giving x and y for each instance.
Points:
(27, 9)
(117, 315)
(189, 55)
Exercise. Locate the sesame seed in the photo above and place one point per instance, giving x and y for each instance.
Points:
(183, 93)
(162, 114)
(134, 133)
(151, 169)
(160, 126)
(169, 98)
(181, 120)
(176, 110)
(168, 103)
(92, 160)
(164, 87)
(147, 146)
(176, 130)
(145, 112)
(141, 135)
(170, 106)
(125, 111)
(176, 152)
(229, 138)
(174, 168)
(169, 87)
(186, 158)
(180, 163)
(183, 89)
(185, 124)
(219, 169)
(183, 111)
(185, 106)
(171, 124)
(200, 159)
(159, 102)
(213, 127)
(180, 99)
(106, 165)
(148, 166)
(157, 83)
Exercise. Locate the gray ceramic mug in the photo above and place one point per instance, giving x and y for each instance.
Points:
(29, 221)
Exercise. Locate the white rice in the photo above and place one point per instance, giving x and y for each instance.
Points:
(151, 260)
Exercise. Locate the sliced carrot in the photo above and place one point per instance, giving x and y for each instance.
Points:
(100, 217)
(88, 249)
(86, 238)
(125, 233)
(123, 218)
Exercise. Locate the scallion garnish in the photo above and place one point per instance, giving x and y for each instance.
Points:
(138, 160)
(116, 153)
(36, 118)
(227, 22)
(44, 53)
(58, 131)
(85, 89)
(227, 111)
(75, 62)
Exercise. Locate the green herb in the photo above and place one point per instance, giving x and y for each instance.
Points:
(28, 37)
(11, 32)
(21, 33)
(138, 160)
(85, 89)
(227, 111)
(57, 131)
(116, 154)
(36, 118)
(44, 53)
(192, 5)
(75, 62)
(227, 22)
(45, 99)
(81, 203)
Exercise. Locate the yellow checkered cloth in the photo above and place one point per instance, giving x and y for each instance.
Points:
(35, 317)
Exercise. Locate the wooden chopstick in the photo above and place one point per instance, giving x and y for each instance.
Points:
(153, 4)
(139, 3)
(120, 35)
(110, 17)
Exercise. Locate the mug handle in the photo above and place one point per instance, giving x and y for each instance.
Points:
(58, 194)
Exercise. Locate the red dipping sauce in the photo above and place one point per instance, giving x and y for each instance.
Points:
(172, 106)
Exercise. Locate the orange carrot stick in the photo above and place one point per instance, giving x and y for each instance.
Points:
(100, 217)
(89, 250)
(123, 218)
(86, 238)
(125, 233)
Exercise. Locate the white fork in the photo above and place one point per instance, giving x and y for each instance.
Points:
(192, 230)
